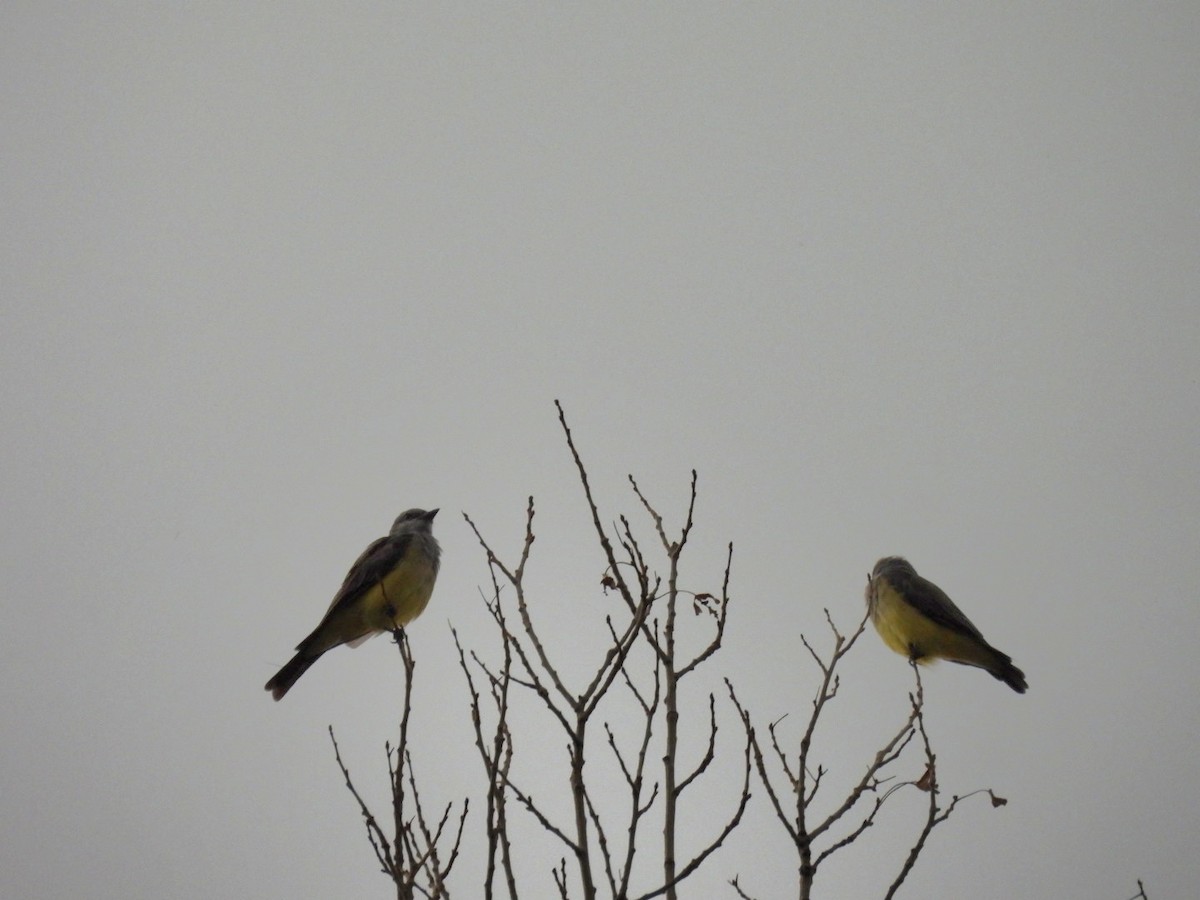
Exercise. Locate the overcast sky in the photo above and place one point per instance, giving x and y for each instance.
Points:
(913, 279)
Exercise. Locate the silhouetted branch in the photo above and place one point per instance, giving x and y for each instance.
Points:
(496, 755)
(928, 782)
(411, 856)
(379, 841)
(529, 664)
(801, 781)
(696, 861)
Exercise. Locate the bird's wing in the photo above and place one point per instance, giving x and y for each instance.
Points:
(931, 601)
(380, 557)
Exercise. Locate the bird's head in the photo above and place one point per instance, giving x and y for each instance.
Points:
(414, 520)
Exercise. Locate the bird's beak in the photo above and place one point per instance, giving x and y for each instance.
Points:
(429, 515)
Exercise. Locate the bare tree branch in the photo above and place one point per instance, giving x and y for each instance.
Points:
(411, 856)
(379, 841)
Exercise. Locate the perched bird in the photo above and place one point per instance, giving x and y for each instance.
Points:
(916, 618)
(386, 588)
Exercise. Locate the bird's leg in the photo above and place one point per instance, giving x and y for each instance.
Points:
(390, 611)
(387, 604)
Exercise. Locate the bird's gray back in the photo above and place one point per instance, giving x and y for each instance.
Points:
(923, 595)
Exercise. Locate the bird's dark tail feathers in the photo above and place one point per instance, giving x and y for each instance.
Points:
(286, 677)
(1004, 670)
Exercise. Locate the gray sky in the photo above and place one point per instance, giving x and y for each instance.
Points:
(894, 278)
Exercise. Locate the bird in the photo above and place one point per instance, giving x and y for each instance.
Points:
(916, 619)
(388, 586)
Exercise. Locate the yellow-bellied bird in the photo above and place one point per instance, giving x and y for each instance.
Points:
(386, 588)
(916, 618)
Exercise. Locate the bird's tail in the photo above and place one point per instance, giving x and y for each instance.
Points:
(296, 666)
(1002, 668)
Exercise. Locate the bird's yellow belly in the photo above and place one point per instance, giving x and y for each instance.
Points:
(400, 596)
